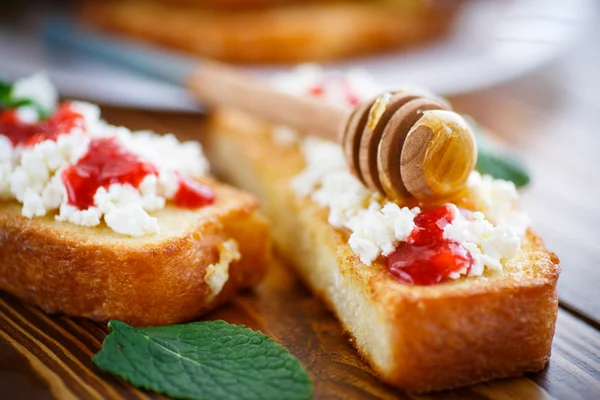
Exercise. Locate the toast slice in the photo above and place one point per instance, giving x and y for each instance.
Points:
(97, 221)
(285, 33)
(419, 338)
(199, 260)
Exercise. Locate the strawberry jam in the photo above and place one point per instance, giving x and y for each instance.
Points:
(351, 97)
(316, 91)
(105, 163)
(319, 89)
(426, 258)
(192, 194)
(61, 122)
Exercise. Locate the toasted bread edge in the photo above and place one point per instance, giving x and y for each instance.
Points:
(154, 282)
(418, 338)
(274, 34)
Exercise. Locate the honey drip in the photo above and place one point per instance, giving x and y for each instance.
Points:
(450, 155)
(377, 109)
(463, 198)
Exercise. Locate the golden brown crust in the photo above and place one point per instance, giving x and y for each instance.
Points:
(318, 31)
(235, 4)
(154, 280)
(418, 338)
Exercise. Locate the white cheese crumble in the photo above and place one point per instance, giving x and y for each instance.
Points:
(38, 89)
(28, 114)
(488, 244)
(377, 230)
(378, 226)
(6, 166)
(217, 274)
(33, 174)
(493, 234)
(336, 85)
(337, 88)
(285, 136)
(497, 200)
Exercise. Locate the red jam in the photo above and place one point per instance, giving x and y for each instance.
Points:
(351, 97)
(63, 121)
(426, 258)
(192, 194)
(316, 91)
(319, 90)
(105, 163)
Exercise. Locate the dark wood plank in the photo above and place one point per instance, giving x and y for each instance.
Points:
(552, 131)
(575, 361)
(49, 356)
(16, 373)
(55, 351)
(551, 120)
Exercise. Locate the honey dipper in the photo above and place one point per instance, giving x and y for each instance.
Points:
(401, 144)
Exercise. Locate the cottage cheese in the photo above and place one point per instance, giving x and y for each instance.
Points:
(377, 225)
(285, 136)
(33, 175)
(335, 85)
(217, 274)
(334, 88)
(37, 88)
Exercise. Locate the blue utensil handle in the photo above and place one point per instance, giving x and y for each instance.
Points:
(61, 33)
(214, 84)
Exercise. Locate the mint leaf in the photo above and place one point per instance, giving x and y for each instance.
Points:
(501, 166)
(7, 100)
(203, 360)
(497, 164)
(5, 90)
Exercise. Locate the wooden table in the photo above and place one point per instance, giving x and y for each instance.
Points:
(551, 119)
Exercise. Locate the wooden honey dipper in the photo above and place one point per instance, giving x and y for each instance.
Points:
(401, 144)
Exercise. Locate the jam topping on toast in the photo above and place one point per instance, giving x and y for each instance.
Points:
(338, 87)
(106, 162)
(422, 241)
(192, 194)
(65, 160)
(28, 134)
(427, 258)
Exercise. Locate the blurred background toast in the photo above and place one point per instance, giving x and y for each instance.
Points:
(270, 31)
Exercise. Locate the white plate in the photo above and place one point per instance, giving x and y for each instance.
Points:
(493, 41)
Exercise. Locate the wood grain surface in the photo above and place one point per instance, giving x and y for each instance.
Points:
(549, 118)
(49, 357)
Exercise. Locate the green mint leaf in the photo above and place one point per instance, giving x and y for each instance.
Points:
(8, 101)
(501, 166)
(5, 90)
(203, 360)
(497, 164)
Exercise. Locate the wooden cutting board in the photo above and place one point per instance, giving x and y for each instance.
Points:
(45, 356)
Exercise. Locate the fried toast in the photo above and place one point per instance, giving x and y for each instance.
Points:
(418, 338)
(199, 260)
(284, 33)
(100, 222)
